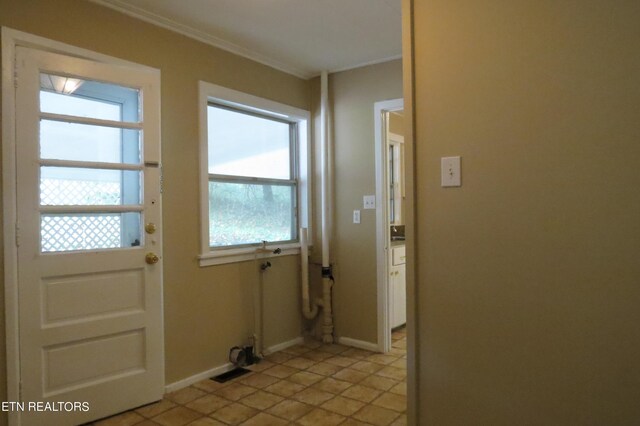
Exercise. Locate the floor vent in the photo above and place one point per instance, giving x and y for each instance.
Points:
(236, 372)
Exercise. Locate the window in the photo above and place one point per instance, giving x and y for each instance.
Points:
(252, 178)
(89, 159)
(254, 166)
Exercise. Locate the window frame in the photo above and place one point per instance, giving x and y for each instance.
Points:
(211, 94)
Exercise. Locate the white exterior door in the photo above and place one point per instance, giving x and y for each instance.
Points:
(89, 232)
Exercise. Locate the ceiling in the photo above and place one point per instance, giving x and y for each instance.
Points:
(301, 37)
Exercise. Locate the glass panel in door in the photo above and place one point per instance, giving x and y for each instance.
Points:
(91, 169)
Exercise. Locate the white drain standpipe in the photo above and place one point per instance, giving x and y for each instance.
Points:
(327, 321)
(310, 311)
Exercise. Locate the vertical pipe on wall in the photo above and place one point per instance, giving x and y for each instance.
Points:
(324, 154)
(309, 311)
(327, 322)
(257, 308)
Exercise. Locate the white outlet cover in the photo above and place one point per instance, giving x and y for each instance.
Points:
(356, 216)
(369, 201)
(450, 171)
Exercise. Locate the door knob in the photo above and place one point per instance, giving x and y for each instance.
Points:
(151, 258)
(150, 228)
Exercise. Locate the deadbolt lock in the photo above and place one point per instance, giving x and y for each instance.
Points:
(150, 228)
(151, 258)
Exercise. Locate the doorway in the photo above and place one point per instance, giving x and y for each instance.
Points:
(390, 236)
(87, 257)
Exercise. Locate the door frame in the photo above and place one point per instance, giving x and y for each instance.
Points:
(382, 221)
(10, 40)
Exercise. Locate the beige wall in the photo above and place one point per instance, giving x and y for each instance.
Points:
(207, 310)
(352, 95)
(528, 274)
(396, 123)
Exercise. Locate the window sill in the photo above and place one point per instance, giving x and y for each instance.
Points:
(221, 257)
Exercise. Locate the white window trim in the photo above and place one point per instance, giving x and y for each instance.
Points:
(213, 93)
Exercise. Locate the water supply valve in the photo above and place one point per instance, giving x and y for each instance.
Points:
(266, 265)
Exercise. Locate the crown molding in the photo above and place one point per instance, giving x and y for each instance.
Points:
(366, 64)
(201, 36)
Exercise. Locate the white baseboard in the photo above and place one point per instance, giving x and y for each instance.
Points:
(360, 344)
(172, 387)
(283, 345)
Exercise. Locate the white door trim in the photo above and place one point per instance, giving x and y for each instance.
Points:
(382, 222)
(10, 40)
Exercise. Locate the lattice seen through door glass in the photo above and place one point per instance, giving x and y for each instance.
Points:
(66, 232)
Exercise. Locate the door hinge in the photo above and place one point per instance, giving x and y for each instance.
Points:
(161, 180)
(17, 234)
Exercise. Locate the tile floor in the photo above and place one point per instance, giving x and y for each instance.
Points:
(308, 384)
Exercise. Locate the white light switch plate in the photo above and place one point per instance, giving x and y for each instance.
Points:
(369, 201)
(450, 168)
(356, 216)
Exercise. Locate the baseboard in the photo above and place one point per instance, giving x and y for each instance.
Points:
(172, 387)
(360, 344)
(283, 345)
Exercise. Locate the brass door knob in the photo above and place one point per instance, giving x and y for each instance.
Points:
(151, 258)
(150, 228)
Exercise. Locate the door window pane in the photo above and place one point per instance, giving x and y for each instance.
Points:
(92, 187)
(66, 232)
(241, 144)
(89, 99)
(241, 213)
(82, 142)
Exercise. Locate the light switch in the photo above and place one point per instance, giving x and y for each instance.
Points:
(450, 169)
(369, 201)
(356, 216)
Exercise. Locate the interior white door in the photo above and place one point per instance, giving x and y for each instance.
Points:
(88, 203)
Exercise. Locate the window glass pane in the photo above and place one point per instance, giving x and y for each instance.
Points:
(92, 187)
(245, 145)
(66, 232)
(89, 99)
(241, 213)
(81, 142)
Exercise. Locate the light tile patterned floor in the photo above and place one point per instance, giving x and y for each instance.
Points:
(307, 385)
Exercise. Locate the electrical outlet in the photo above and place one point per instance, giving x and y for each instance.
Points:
(369, 201)
(356, 216)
